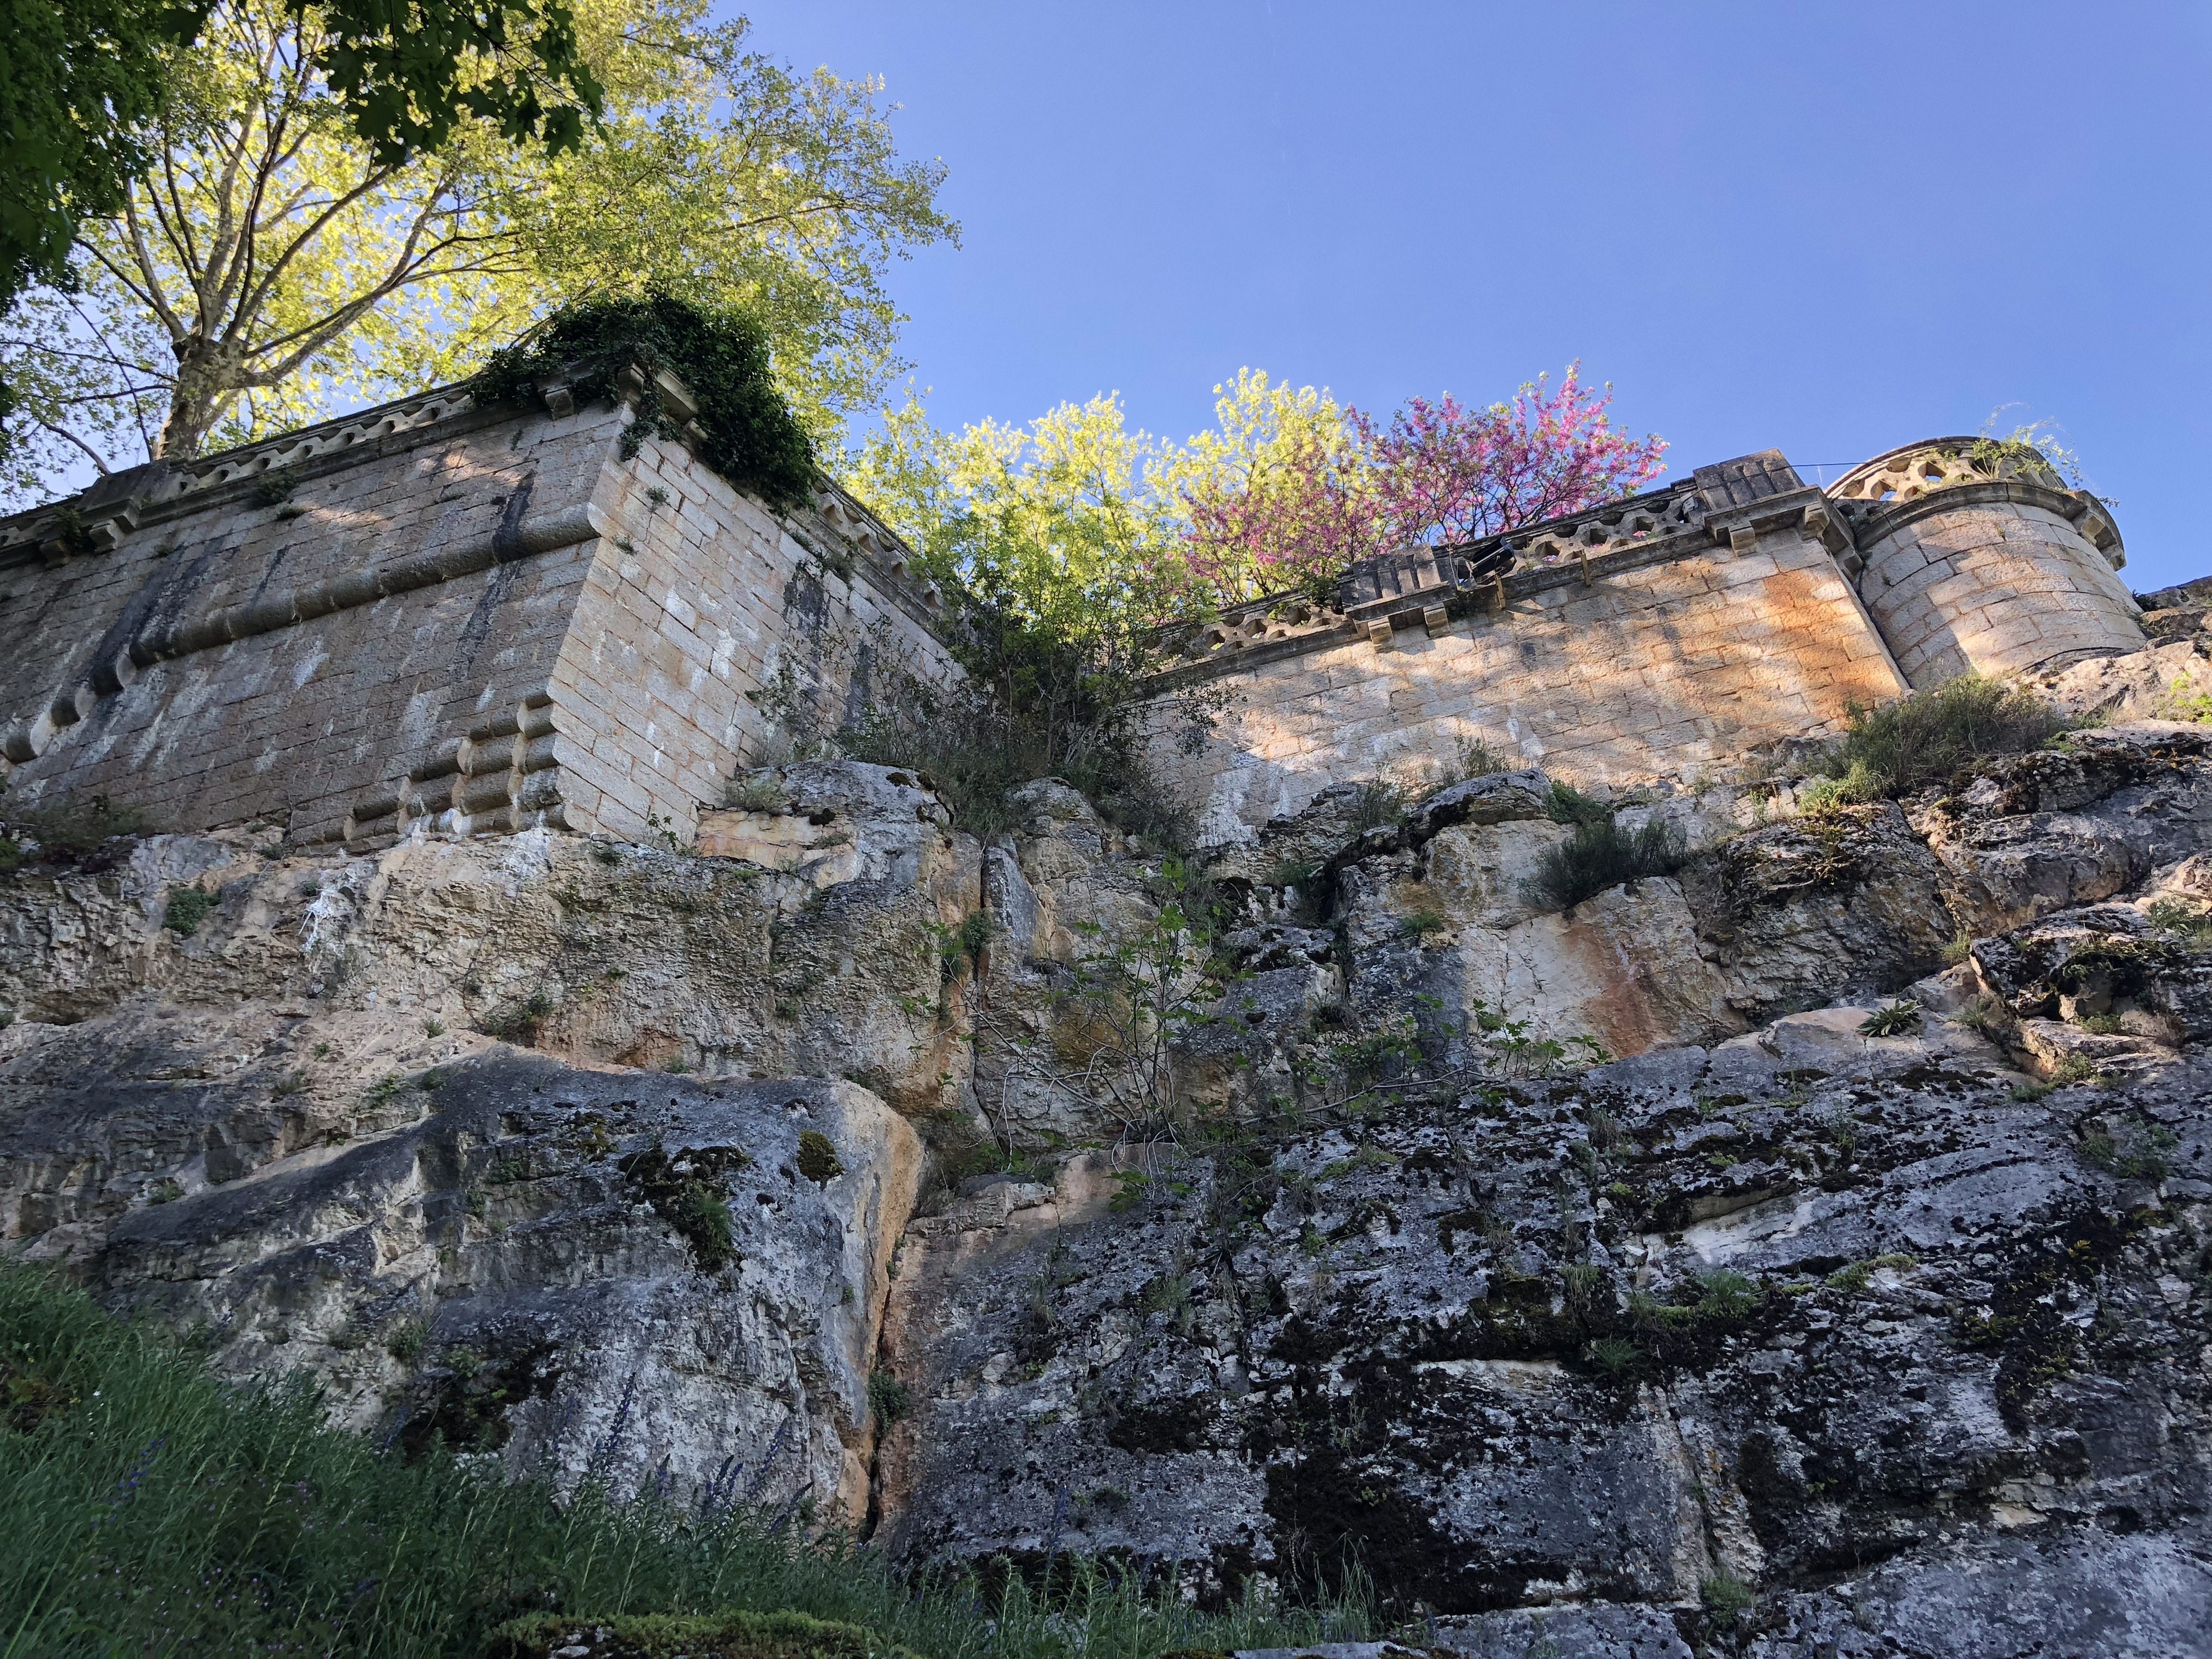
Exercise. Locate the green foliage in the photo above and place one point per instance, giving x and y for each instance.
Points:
(1425, 920)
(1381, 802)
(1852, 1276)
(1901, 1018)
(235, 1513)
(407, 83)
(1615, 1355)
(407, 1339)
(1725, 1593)
(889, 1398)
(2190, 919)
(1044, 698)
(274, 269)
(71, 828)
(1724, 1294)
(2139, 1151)
(1602, 855)
(1568, 805)
(1896, 749)
(186, 908)
(757, 791)
(78, 78)
(817, 1156)
(2184, 702)
(721, 355)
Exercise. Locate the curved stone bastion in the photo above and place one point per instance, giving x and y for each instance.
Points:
(1658, 636)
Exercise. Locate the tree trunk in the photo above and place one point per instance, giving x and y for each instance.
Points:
(209, 374)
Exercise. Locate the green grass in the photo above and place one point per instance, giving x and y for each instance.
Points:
(1922, 739)
(149, 1510)
(1602, 855)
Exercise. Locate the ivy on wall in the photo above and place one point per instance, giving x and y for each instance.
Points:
(751, 438)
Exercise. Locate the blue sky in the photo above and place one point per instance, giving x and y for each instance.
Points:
(1833, 229)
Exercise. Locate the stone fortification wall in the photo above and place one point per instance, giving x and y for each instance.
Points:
(481, 619)
(1653, 637)
(1991, 568)
(1663, 636)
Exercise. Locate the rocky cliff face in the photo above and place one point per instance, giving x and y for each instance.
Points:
(1629, 1278)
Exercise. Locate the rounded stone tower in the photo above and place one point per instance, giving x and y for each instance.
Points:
(1974, 558)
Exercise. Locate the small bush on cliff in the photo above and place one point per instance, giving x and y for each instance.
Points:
(721, 354)
(1602, 855)
(1892, 750)
(1041, 701)
(73, 829)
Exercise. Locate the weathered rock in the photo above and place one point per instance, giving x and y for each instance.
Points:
(2045, 831)
(1389, 1335)
(1814, 909)
(1895, 1340)
(605, 1271)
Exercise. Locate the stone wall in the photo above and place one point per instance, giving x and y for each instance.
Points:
(1671, 655)
(1652, 638)
(485, 618)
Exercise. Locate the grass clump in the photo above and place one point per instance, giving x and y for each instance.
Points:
(1602, 855)
(72, 830)
(718, 1635)
(2137, 1152)
(757, 791)
(1894, 750)
(150, 1509)
(1725, 1593)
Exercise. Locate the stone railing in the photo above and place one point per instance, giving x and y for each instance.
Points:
(1421, 582)
(1918, 470)
(101, 516)
(1894, 481)
(1609, 529)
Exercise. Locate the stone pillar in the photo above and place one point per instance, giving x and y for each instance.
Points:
(1986, 564)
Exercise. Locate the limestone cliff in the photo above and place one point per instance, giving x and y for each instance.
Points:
(1626, 1278)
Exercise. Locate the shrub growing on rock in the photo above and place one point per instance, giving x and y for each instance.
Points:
(1894, 750)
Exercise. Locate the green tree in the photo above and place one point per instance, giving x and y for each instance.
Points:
(77, 80)
(271, 262)
(80, 79)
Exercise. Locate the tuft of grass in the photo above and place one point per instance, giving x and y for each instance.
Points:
(1961, 947)
(1724, 1294)
(1425, 920)
(757, 791)
(187, 907)
(1901, 1018)
(1381, 802)
(2189, 919)
(1602, 855)
(237, 1515)
(1615, 1355)
(2138, 1152)
(1725, 1593)
(1894, 750)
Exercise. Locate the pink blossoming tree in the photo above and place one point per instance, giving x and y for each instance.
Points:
(1439, 473)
